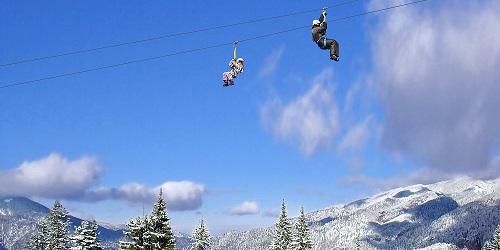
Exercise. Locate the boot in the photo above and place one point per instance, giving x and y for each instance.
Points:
(333, 55)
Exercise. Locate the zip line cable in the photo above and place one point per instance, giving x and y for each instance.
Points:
(199, 49)
(115, 65)
(263, 19)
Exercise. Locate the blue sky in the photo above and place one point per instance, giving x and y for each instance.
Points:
(296, 125)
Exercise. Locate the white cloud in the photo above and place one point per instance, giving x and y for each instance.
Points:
(179, 195)
(271, 63)
(355, 138)
(271, 213)
(424, 175)
(53, 176)
(419, 176)
(310, 121)
(351, 97)
(437, 69)
(245, 208)
(183, 195)
(56, 177)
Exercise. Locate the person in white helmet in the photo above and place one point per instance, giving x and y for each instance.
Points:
(236, 66)
(319, 37)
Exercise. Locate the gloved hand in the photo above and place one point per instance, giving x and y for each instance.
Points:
(324, 12)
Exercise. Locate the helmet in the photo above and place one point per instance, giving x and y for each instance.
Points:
(315, 22)
(240, 60)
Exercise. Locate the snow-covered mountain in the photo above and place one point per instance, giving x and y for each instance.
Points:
(19, 215)
(444, 215)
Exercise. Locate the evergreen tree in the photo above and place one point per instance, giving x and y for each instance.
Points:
(282, 237)
(201, 237)
(302, 240)
(162, 236)
(148, 235)
(486, 246)
(358, 245)
(57, 228)
(86, 237)
(136, 229)
(39, 239)
(494, 243)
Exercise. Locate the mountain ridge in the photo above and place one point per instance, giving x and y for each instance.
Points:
(450, 214)
(19, 216)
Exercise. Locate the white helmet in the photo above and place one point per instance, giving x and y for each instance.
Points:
(316, 22)
(240, 60)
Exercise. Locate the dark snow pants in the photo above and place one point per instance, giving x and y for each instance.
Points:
(331, 44)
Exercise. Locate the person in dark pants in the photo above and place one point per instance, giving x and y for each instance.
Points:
(319, 37)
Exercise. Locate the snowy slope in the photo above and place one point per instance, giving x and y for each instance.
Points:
(441, 216)
(16, 220)
(461, 212)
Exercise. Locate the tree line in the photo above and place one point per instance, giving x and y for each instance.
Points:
(494, 242)
(153, 232)
(52, 233)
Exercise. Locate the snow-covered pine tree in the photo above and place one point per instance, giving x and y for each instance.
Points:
(200, 238)
(302, 239)
(358, 245)
(162, 236)
(486, 246)
(38, 240)
(148, 236)
(282, 236)
(58, 228)
(136, 229)
(85, 237)
(494, 243)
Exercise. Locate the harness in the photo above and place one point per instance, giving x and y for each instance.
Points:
(324, 42)
(321, 37)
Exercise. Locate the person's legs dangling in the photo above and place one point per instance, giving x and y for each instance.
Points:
(336, 49)
(232, 75)
(333, 45)
(227, 78)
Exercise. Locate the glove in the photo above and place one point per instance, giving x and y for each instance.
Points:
(324, 12)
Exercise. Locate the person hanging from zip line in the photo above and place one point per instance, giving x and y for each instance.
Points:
(236, 66)
(319, 28)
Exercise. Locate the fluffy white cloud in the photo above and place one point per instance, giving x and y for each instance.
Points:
(53, 176)
(310, 121)
(245, 208)
(179, 195)
(56, 177)
(183, 195)
(271, 63)
(437, 67)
